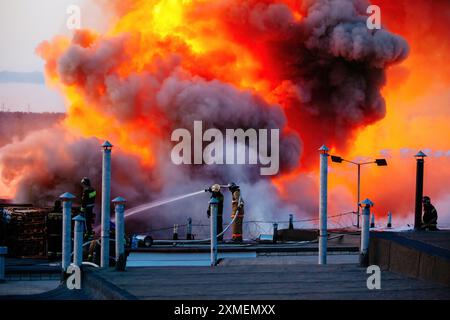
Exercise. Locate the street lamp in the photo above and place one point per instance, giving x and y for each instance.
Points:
(378, 162)
(420, 158)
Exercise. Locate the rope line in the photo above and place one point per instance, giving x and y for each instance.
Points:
(253, 222)
(200, 240)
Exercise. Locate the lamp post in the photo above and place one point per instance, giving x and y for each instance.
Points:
(378, 162)
(420, 158)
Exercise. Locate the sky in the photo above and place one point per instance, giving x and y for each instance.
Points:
(23, 25)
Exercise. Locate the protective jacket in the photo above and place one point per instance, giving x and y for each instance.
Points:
(429, 215)
(237, 208)
(88, 197)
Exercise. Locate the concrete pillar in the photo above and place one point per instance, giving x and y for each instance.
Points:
(78, 240)
(275, 232)
(372, 222)
(189, 229)
(365, 231)
(66, 198)
(214, 203)
(389, 223)
(106, 196)
(3, 253)
(323, 205)
(119, 204)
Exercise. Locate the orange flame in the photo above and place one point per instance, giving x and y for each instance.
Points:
(154, 32)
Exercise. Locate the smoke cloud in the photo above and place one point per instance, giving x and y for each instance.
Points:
(316, 78)
(329, 66)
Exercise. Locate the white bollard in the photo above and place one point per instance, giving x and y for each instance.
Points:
(214, 203)
(3, 253)
(66, 198)
(365, 231)
(106, 195)
(78, 241)
(323, 205)
(389, 223)
(119, 204)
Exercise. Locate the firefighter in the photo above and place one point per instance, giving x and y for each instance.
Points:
(2, 228)
(237, 207)
(87, 204)
(429, 221)
(215, 193)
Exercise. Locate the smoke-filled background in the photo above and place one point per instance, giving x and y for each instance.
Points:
(310, 68)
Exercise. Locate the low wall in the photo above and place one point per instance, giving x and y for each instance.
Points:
(414, 258)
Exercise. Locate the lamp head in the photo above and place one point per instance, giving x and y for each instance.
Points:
(336, 159)
(381, 162)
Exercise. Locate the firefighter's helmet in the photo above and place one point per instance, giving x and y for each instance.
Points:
(85, 181)
(232, 186)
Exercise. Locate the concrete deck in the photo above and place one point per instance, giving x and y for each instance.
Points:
(25, 287)
(267, 281)
(289, 272)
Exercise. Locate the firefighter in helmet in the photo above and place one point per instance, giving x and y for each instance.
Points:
(237, 207)
(429, 215)
(87, 204)
(215, 193)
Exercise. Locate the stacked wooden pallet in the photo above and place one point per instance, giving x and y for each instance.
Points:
(27, 231)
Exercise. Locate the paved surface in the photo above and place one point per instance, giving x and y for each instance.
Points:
(293, 281)
(14, 287)
(36, 279)
(60, 293)
(274, 274)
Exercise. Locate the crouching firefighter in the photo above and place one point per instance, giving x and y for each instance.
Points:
(237, 207)
(87, 204)
(215, 193)
(430, 216)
